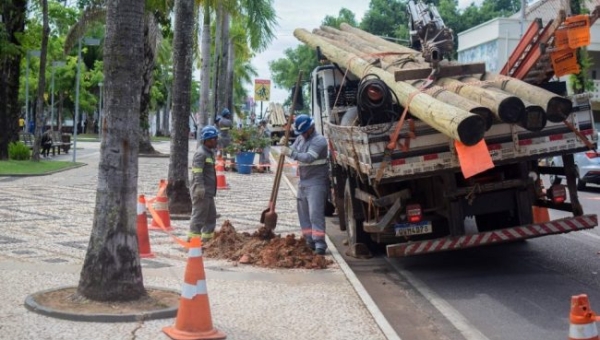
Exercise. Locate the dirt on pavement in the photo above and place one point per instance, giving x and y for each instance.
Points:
(263, 248)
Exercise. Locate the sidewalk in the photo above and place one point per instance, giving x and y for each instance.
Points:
(46, 222)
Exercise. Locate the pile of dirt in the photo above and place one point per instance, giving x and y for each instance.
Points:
(263, 248)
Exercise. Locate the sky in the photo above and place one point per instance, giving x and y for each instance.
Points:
(306, 14)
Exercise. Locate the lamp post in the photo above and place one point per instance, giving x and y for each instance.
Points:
(90, 42)
(54, 65)
(34, 53)
(100, 116)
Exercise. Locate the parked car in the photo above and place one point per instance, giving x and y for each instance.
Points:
(588, 168)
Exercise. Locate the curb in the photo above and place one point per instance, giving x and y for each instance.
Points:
(33, 306)
(385, 327)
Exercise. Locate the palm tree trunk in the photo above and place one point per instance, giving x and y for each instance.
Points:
(10, 65)
(177, 188)
(111, 270)
(205, 68)
(166, 129)
(224, 61)
(150, 40)
(216, 67)
(229, 79)
(39, 115)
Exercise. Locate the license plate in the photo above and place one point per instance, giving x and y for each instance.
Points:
(407, 229)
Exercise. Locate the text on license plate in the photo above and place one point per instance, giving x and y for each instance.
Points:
(407, 229)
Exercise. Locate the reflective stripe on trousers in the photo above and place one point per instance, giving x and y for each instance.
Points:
(311, 213)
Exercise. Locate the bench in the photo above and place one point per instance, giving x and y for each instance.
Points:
(57, 142)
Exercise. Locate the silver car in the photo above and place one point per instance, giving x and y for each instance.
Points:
(588, 168)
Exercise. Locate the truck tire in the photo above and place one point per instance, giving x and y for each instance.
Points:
(357, 237)
(354, 226)
(341, 212)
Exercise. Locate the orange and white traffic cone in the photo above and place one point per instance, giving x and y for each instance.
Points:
(540, 215)
(221, 180)
(142, 229)
(160, 204)
(582, 319)
(194, 320)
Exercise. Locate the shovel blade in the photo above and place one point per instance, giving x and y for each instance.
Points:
(270, 220)
(263, 214)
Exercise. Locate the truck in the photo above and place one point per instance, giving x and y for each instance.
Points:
(415, 199)
(276, 121)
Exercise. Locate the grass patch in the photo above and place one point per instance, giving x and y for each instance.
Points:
(12, 167)
(160, 139)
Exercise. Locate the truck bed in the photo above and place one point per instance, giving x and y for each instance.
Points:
(362, 147)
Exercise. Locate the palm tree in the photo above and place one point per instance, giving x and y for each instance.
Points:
(39, 120)
(111, 270)
(177, 188)
(14, 14)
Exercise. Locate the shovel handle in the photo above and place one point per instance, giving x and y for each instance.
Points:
(286, 138)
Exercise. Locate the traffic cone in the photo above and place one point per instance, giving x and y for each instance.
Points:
(194, 320)
(221, 180)
(161, 206)
(540, 215)
(582, 319)
(142, 229)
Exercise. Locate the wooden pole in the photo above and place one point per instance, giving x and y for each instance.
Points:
(508, 109)
(557, 108)
(454, 122)
(534, 117)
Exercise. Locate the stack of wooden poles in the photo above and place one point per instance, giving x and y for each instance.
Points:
(462, 103)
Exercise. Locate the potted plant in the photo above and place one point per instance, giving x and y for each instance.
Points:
(245, 143)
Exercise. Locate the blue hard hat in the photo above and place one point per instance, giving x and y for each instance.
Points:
(209, 132)
(302, 123)
(225, 113)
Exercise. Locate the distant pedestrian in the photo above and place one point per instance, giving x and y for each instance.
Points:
(310, 150)
(21, 124)
(204, 186)
(225, 124)
(264, 159)
(31, 126)
(46, 143)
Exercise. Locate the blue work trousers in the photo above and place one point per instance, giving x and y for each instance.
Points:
(311, 213)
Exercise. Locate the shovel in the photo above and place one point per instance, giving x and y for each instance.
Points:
(269, 216)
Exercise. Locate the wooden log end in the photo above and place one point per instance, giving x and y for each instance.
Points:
(558, 109)
(471, 130)
(486, 114)
(511, 110)
(534, 118)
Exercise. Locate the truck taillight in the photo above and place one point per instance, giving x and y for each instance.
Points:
(592, 154)
(557, 193)
(414, 213)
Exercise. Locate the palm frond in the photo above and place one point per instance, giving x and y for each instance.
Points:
(89, 17)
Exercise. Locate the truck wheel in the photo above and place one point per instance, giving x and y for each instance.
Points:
(354, 227)
(341, 212)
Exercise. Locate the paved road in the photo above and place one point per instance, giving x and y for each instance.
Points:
(514, 291)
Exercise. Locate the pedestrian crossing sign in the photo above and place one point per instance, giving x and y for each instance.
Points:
(262, 90)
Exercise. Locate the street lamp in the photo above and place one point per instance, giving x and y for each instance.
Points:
(100, 116)
(54, 65)
(34, 53)
(89, 42)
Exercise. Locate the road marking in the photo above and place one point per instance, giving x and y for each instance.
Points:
(452, 315)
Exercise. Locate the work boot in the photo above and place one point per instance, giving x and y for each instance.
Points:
(311, 246)
(320, 251)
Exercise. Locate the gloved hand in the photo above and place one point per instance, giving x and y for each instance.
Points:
(199, 192)
(287, 151)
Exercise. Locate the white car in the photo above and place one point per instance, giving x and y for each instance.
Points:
(588, 168)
